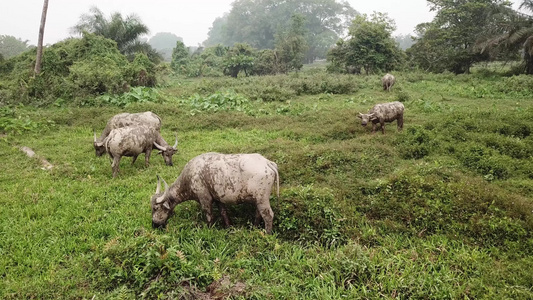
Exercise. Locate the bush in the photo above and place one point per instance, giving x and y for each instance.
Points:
(309, 214)
(416, 143)
(85, 67)
(485, 162)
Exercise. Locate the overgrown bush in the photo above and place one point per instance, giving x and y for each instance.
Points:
(422, 204)
(309, 214)
(148, 264)
(416, 143)
(84, 67)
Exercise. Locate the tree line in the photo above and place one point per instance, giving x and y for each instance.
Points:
(262, 37)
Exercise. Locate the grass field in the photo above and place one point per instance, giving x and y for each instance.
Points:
(440, 210)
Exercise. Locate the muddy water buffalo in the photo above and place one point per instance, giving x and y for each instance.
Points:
(388, 81)
(221, 179)
(147, 118)
(132, 141)
(384, 112)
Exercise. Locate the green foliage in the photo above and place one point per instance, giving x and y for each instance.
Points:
(308, 214)
(370, 46)
(151, 259)
(416, 143)
(425, 204)
(448, 42)
(239, 58)
(12, 123)
(220, 101)
(291, 45)
(75, 68)
(180, 58)
(138, 94)
(124, 31)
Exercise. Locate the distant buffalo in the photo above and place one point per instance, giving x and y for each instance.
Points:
(388, 81)
(381, 113)
(147, 118)
(214, 178)
(132, 141)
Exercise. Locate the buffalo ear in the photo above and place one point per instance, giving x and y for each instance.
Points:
(360, 115)
(373, 116)
(165, 205)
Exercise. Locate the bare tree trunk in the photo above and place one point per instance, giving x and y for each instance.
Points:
(40, 42)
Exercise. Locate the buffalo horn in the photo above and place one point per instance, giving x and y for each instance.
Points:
(160, 147)
(176, 143)
(158, 189)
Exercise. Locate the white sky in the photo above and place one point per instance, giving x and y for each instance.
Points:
(190, 19)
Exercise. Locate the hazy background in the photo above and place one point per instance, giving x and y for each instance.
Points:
(189, 20)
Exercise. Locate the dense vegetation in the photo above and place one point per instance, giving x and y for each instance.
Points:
(442, 209)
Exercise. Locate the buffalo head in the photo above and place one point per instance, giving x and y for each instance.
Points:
(160, 204)
(366, 118)
(167, 152)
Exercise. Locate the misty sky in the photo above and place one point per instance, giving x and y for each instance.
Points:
(190, 19)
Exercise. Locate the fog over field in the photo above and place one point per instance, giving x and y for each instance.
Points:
(190, 20)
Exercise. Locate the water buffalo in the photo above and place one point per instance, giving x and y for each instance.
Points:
(147, 118)
(388, 81)
(384, 112)
(221, 179)
(134, 140)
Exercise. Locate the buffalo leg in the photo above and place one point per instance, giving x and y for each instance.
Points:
(147, 157)
(206, 202)
(382, 127)
(115, 165)
(133, 160)
(224, 214)
(257, 218)
(400, 123)
(268, 215)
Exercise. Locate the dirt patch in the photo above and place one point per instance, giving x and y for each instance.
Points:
(217, 290)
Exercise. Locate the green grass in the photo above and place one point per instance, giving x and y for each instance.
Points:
(442, 210)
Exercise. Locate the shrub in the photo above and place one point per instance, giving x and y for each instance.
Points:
(416, 143)
(220, 101)
(484, 161)
(309, 214)
(85, 67)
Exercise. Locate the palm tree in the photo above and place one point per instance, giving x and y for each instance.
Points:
(39, 57)
(124, 31)
(513, 34)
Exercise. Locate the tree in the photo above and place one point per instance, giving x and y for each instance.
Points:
(291, 45)
(39, 57)
(512, 35)
(239, 58)
(11, 46)
(370, 46)
(180, 58)
(124, 31)
(453, 33)
(258, 22)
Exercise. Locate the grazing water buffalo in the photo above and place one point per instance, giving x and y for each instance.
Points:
(221, 179)
(147, 118)
(388, 81)
(132, 141)
(381, 113)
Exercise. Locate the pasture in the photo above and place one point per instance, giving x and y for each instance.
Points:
(441, 210)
